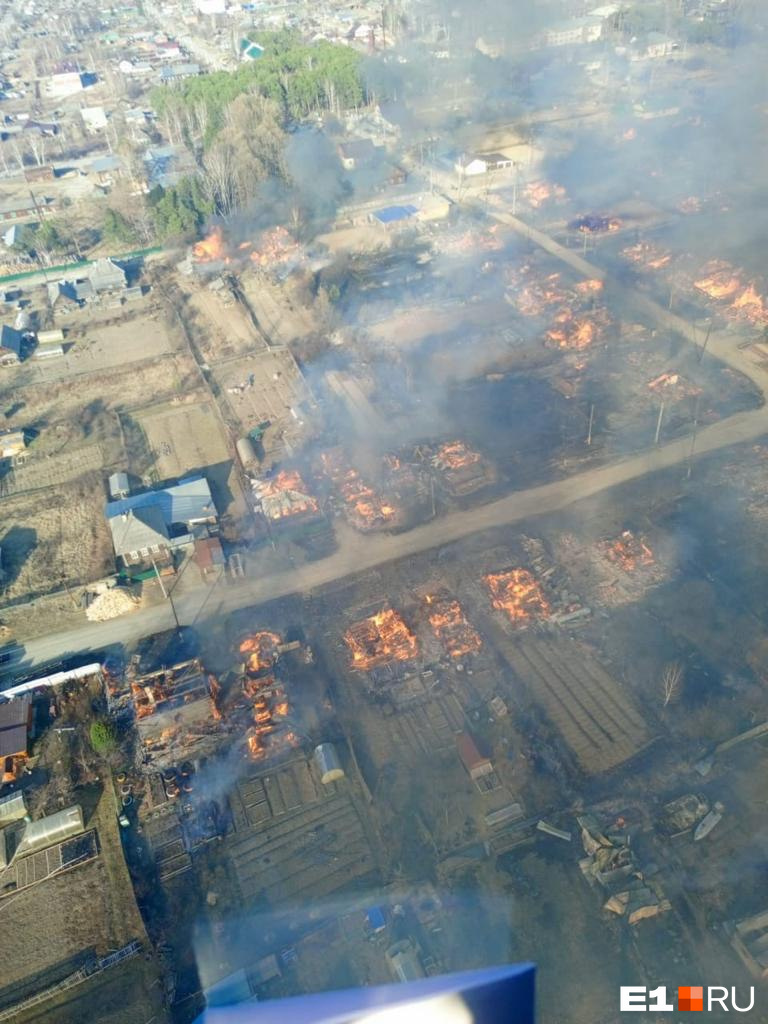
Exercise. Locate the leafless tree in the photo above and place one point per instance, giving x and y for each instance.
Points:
(671, 682)
(37, 147)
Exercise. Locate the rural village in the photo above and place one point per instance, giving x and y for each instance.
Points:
(382, 549)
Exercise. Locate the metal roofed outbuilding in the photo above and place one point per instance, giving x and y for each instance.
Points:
(394, 214)
(52, 829)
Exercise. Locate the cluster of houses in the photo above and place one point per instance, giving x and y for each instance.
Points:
(101, 281)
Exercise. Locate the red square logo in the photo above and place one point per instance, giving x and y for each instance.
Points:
(690, 997)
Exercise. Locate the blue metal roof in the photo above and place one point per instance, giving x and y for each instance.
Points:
(183, 502)
(390, 214)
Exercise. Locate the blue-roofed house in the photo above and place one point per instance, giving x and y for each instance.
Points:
(147, 527)
(391, 216)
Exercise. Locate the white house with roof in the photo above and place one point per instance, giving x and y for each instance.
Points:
(147, 527)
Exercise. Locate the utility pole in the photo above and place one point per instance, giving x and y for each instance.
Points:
(658, 423)
(703, 348)
(693, 438)
(166, 595)
(591, 421)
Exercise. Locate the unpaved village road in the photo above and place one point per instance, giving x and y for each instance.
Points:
(357, 553)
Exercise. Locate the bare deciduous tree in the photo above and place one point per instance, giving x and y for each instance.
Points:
(671, 682)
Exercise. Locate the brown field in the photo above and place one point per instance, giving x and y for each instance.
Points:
(183, 438)
(53, 470)
(54, 538)
(187, 438)
(226, 327)
(277, 386)
(85, 407)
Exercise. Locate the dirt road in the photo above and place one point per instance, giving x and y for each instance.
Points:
(357, 553)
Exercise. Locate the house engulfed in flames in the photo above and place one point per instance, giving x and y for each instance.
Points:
(628, 552)
(380, 639)
(460, 469)
(267, 733)
(518, 593)
(722, 283)
(364, 507)
(274, 247)
(450, 626)
(177, 714)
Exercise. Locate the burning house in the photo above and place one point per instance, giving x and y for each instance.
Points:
(267, 732)
(450, 626)
(540, 193)
(177, 714)
(647, 255)
(274, 247)
(260, 652)
(365, 508)
(518, 593)
(722, 283)
(460, 469)
(594, 224)
(291, 510)
(380, 640)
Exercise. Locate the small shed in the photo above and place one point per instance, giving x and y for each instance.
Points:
(119, 485)
(12, 443)
(246, 452)
(209, 556)
(12, 808)
(51, 337)
(52, 829)
(376, 920)
(328, 764)
(476, 763)
(50, 351)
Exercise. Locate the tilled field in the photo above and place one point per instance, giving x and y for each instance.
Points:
(310, 848)
(597, 720)
(54, 538)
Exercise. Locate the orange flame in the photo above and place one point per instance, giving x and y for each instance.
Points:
(450, 626)
(455, 455)
(261, 651)
(288, 485)
(380, 639)
(517, 593)
(628, 552)
(211, 248)
(366, 509)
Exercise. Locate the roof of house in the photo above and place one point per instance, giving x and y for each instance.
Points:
(184, 502)
(105, 274)
(11, 339)
(468, 752)
(138, 528)
(208, 552)
(14, 712)
(13, 741)
(74, 291)
(390, 214)
(105, 163)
